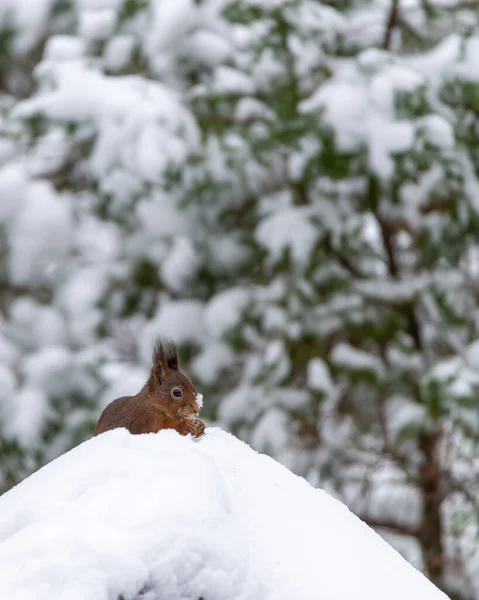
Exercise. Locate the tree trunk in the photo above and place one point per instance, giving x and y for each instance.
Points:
(431, 528)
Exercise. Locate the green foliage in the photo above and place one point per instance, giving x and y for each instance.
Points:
(130, 8)
(7, 34)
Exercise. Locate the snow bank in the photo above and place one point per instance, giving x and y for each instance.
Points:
(167, 517)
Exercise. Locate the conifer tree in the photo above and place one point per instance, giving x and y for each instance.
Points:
(353, 167)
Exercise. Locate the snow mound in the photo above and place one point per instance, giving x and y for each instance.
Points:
(161, 516)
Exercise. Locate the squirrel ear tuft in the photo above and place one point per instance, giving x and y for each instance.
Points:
(172, 359)
(165, 357)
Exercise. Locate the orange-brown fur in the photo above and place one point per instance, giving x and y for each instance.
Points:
(155, 407)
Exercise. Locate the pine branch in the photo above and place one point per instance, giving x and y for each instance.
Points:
(390, 525)
(464, 5)
(218, 119)
(391, 23)
(9, 291)
(453, 485)
(393, 268)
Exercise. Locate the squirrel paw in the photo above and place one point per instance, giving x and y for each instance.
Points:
(194, 426)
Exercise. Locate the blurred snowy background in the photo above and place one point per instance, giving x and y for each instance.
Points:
(286, 188)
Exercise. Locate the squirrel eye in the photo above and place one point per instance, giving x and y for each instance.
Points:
(177, 393)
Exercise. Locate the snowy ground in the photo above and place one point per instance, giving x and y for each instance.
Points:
(166, 517)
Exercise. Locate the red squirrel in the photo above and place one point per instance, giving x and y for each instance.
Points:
(168, 400)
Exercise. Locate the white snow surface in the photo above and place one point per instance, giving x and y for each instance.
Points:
(289, 228)
(161, 516)
(319, 377)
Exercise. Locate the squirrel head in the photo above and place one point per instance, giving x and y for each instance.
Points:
(168, 388)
